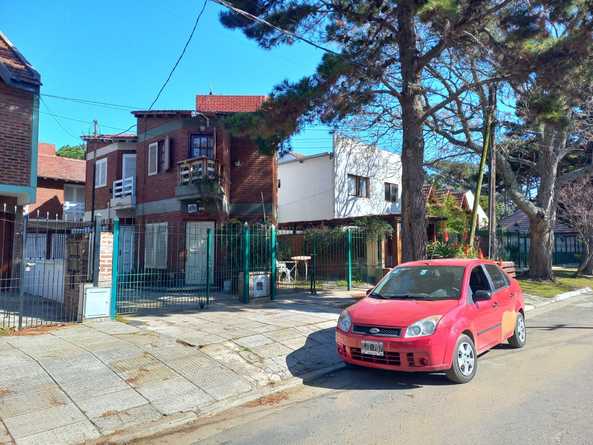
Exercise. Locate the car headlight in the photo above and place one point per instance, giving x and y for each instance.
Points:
(344, 322)
(424, 327)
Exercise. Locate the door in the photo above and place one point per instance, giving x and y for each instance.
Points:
(505, 297)
(44, 274)
(487, 314)
(196, 262)
(127, 243)
(128, 166)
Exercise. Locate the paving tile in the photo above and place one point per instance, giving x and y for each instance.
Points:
(271, 350)
(5, 438)
(92, 384)
(42, 420)
(254, 341)
(74, 433)
(42, 397)
(110, 422)
(284, 334)
(110, 403)
(191, 400)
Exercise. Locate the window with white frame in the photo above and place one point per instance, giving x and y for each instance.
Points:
(101, 173)
(155, 246)
(358, 186)
(73, 193)
(202, 146)
(391, 192)
(153, 159)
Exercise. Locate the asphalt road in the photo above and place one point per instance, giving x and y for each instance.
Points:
(542, 394)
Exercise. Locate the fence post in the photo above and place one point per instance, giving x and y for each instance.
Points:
(314, 267)
(349, 248)
(22, 271)
(273, 271)
(208, 264)
(114, 268)
(246, 248)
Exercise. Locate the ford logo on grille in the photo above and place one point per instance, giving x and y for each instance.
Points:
(374, 330)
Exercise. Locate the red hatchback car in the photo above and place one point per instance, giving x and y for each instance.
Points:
(436, 315)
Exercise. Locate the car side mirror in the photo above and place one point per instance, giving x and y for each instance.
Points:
(482, 295)
(370, 291)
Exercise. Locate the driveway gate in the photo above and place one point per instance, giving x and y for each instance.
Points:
(44, 265)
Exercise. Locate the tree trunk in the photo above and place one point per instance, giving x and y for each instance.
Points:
(413, 209)
(541, 248)
(586, 266)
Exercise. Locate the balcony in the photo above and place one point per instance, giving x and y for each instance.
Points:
(124, 193)
(199, 179)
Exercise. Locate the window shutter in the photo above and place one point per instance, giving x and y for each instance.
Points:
(167, 154)
(153, 159)
(161, 246)
(387, 191)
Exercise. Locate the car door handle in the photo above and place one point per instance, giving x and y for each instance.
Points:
(495, 304)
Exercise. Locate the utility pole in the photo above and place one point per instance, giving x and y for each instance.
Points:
(487, 142)
(492, 240)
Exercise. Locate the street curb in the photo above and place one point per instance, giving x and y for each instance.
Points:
(560, 297)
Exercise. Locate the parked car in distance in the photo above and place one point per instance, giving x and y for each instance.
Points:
(436, 315)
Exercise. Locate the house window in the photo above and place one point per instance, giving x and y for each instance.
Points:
(358, 186)
(153, 159)
(391, 192)
(155, 246)
(202, 146)
(73, 193)
(101, 173)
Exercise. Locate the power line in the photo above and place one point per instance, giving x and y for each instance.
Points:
(77, 120)
(180, 55)
(57, 121)
(255, 18)
(92, 102)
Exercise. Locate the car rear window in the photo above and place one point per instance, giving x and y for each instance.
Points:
(421, 282)
(498, 277)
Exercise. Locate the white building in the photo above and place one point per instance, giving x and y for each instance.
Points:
(354, 180)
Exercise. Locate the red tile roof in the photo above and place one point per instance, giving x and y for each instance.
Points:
(58, 167)
(47, 149)
(17, 71)
(212, 103)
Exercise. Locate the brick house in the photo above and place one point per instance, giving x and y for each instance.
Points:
(182, 173)
(60, 186)
(19, 124)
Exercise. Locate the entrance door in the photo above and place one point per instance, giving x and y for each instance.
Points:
(196, 233)
(126, 239)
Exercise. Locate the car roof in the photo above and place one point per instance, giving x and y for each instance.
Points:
(460, 262)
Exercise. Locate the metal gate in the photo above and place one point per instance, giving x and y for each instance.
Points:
(42, 270)
(163, 265)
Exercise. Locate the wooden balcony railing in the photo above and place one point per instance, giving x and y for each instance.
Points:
(191, 171)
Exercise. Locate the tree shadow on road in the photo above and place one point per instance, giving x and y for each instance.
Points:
(319, 352)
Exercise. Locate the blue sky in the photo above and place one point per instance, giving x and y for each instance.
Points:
(120, 51)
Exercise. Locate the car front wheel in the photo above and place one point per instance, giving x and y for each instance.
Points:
(465, 361)
(519, 337)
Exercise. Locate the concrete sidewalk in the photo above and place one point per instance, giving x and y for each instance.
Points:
(81, 382)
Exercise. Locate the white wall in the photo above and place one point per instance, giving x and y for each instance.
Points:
(306, 189)
(380, 166)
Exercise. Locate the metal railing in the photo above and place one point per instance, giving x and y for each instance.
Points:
(198, 169)
(122, 188)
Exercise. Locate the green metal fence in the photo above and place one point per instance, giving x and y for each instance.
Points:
(514, 246)
(164, 265)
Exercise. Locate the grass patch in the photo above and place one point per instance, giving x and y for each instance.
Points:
(5, 332)
(565, 282)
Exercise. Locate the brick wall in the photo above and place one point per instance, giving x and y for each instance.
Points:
(114, 166)
(16, 112)
(256, 175)
(50, 198)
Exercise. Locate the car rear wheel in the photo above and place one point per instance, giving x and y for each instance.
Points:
(519, 337)
(465, 361)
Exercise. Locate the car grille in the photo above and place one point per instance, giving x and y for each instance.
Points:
(383, 332)
(390, 358)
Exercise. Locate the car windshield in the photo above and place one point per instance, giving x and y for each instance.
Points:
(421, 283)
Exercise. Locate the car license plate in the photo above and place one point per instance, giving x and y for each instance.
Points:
(371, 347)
